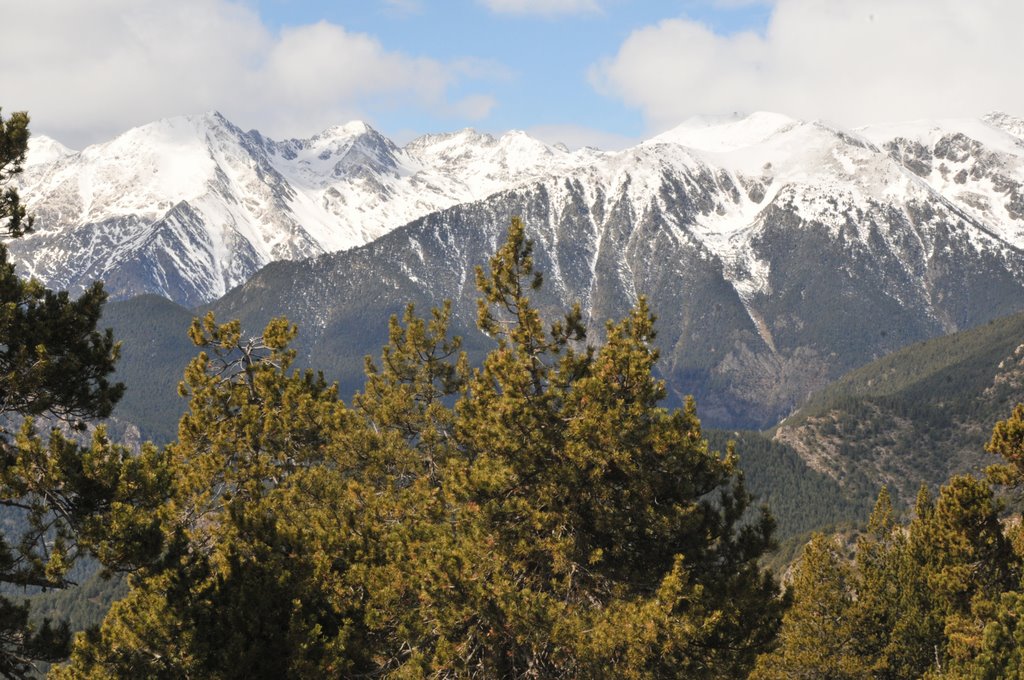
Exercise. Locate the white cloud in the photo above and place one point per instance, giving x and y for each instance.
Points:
(473, 107)
(850, 61)
(543, 7)
(85, 71)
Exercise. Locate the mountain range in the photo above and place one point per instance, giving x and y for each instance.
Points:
(190, 207)
(778, 254)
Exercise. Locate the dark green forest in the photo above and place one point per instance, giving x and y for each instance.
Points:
(917, 416)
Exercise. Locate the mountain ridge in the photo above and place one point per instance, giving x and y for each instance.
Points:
(916, 416)
(250, 200)
(775, 264)
(197, 201)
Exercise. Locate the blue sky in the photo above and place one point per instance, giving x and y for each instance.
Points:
(600, 72)
(534, 65)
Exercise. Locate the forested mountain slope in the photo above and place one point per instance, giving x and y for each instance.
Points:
(918, 415)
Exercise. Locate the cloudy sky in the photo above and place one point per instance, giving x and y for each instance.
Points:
(600, 72)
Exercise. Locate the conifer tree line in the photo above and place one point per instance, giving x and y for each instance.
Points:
(536, 516)
(938, 597)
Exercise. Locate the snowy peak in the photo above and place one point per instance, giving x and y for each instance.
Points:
(978, 165)
(351, 150)
(771, 148)
(173, 133)
(726, 135)
(448, 143)
(514, 149)
(1010, 124)
(191, 206)
(351, 129)
(995, 132)
(477, 165)
(338, 140)
(43, 150)
(149, 168)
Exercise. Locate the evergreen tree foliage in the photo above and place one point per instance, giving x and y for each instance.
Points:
(53, 361)
(60, 498)
(614, 515)
(820, 635)
(538, 516)
(1008, 442)
(236, 590)
(13, 147)
(986, 644)
(915, 601)
(993, 648)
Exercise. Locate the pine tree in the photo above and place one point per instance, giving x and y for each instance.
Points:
(238, 589)
(820, 636)
(60, 497)
(994, 648)
(986, 642)
(913, 621)
(879, 551)
(933, 598)
(539, 516)
(1007, 441)
(618, 528)
(13, 147)
(412, 466)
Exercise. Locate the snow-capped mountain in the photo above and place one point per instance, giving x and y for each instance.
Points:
(777, 253)
(976, 164)
(190, 207)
